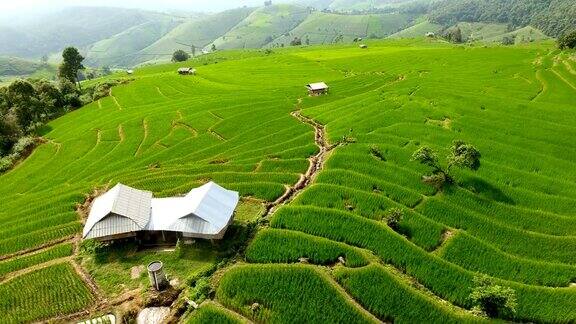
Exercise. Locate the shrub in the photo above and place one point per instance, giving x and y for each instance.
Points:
(492, 299)
(393, 217)
(568, 40)
(180, 56)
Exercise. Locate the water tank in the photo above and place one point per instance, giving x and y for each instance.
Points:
(157, 277)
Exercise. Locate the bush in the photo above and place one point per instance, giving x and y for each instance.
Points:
(492, 299)
(567, 41)
(180, 56)
(393, 217)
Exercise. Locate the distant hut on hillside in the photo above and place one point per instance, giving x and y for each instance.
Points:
(130, 72)
(430, 35)
(186, 71)
(363, 46)
(123, 212)
(317, 89)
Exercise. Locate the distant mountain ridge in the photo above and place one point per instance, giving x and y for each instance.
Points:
(129, 37)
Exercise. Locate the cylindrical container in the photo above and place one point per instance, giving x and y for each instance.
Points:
(157, 277)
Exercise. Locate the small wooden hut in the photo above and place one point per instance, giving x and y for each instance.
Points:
(317, 89)
(186, 71)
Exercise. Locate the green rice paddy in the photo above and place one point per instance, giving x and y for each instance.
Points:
(514, 219)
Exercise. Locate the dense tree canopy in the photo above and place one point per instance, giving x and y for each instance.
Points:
(568, 40)
(180, 56)
(71, 64)
(553, 17)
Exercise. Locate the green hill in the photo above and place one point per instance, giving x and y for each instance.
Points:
(199, 32)
(481, 31)
(74, 26)
(12, 67)
(522, 35)
(121, 49)
(262, 26)
(553, 17)
(418, 30)
(325, 28)
(246, 122)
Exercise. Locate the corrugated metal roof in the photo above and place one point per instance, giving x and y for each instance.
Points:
(205, 210)
(317, 86)
(124, 202)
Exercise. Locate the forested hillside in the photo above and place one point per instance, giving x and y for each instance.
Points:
(554, 17)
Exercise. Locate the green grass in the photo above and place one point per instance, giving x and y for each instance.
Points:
(112, 267)
(55, 290)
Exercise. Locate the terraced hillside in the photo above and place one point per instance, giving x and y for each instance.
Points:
(246, 123)
(326, 28)
(513, 220)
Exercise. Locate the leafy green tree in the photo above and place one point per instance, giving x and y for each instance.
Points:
(180, 56)
(454, 35)
(213, 47)
(22, 97)
(296, 41)
(70, 94)
(492, 299)
(568, 40)
(71, 65)
(462, 155)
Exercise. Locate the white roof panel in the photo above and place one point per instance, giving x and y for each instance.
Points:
(204, 210)
(317, 86)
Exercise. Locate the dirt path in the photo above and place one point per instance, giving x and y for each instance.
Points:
(316, 163)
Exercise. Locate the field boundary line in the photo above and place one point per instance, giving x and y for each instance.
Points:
(38, 248)
(563, 79)
(15, 274)
(115, 100)
(145, 127)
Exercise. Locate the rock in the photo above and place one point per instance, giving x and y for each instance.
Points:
(341, 260)
(255, 307)
(304, 260)
(153, 315)
(193, 304)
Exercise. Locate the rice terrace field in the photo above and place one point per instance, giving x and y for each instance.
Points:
(246, 122)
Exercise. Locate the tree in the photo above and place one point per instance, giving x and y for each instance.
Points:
(508, 40)
(296, 41)
(180, 56)
(461, 155)
(22, 97)
(568, 40)
(307, 40)
(464, 156)
(454, 35)
(71, 64)
(213, 48)
(491, 299)
(393, 217)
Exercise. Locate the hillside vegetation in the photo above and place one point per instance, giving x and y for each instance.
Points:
(326, 28)
(239, 122)
(553, 17)
(262, 26)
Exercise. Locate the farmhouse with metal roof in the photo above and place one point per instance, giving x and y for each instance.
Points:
(316, 89)
(205, 212)
(186, 70)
